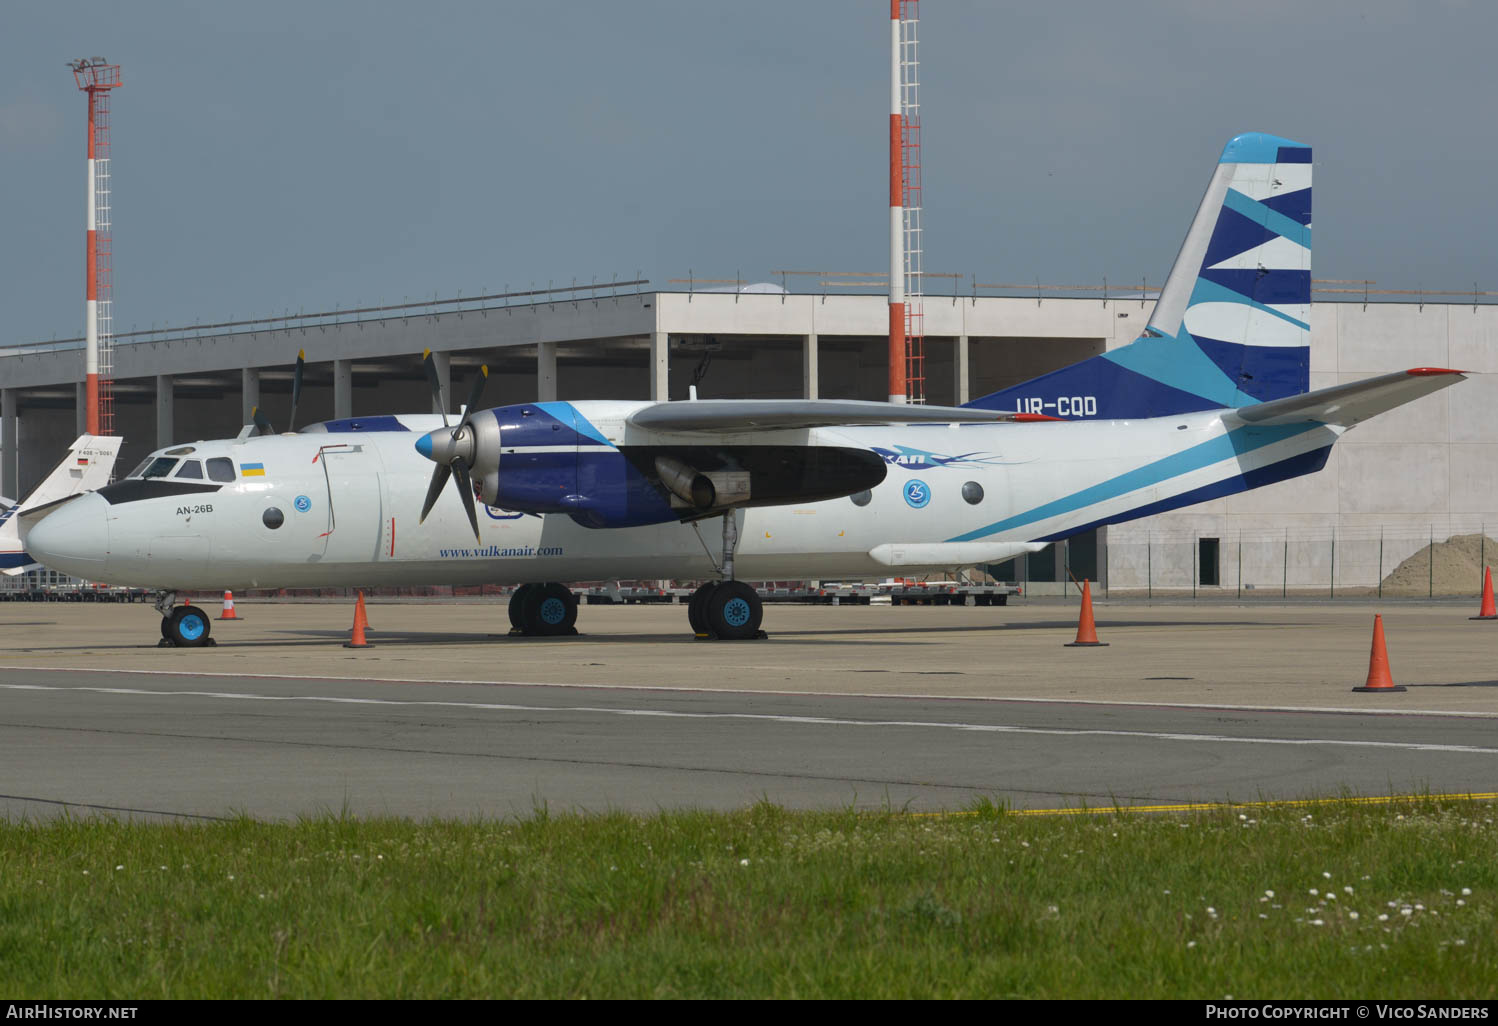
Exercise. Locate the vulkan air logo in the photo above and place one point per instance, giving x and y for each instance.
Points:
(922, 459)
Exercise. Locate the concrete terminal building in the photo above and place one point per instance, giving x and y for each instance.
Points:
(1426, 471)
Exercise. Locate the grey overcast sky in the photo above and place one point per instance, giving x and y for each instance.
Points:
(275, 155)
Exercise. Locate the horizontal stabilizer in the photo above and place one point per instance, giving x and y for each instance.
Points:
(734, 415)
(1346, 405)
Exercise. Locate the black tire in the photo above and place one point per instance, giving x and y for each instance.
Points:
(517, 605)
(188, 627)
(734, 612)
(549, 610)
(697, 607)
(166, 627)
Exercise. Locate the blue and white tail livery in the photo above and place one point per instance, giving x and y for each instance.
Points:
(1231, 327)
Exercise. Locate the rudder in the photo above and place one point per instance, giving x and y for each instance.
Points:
(1232, 324)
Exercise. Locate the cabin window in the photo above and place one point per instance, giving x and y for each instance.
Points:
(220, 468)
(273, 518)
(862, 498)
(190, 469)
(972, 493)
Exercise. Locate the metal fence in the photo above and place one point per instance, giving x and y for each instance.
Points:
(1365, 562)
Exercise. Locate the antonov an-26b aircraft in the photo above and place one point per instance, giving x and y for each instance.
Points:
(1210, 400)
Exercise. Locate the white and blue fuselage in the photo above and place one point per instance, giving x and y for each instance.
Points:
(341, 507)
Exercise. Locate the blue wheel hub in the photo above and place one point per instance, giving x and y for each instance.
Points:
(553, 611)
(192, 627)
(736, 612)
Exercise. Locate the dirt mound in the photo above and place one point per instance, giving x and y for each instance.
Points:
(1457, 570)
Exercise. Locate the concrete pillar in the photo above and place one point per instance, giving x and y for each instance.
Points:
(546, 372)
(809, 372)
(660, 350)
(80, 408)
(961, 366)
(343, 389)
(165, 429)
(444, 364)
(10, 445)
(249, 394)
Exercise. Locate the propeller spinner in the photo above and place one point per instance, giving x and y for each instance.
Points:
(453, 449)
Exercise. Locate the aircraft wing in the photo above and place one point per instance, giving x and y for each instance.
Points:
(731, 416)
(1353, 403)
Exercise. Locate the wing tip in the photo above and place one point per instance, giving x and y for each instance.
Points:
(1427, 372)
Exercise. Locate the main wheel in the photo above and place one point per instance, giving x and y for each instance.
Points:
(734, 612)
(187, 627)
(549, 610)
(517, 606)
(697, 608)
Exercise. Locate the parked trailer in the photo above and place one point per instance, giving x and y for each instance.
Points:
(942, 593)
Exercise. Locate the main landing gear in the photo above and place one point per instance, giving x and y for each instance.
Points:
(726, 610)
(183, 626)
(543, 610)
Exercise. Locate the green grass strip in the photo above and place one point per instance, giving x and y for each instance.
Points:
(1340, 900)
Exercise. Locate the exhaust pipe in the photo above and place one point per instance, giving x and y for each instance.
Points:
(703, 491)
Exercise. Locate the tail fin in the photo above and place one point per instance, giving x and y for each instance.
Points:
(1232, 325)
(86, 467)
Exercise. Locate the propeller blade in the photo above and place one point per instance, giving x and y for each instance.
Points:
(296, 386)
(262, 422)
(475, 392)
(439, 481)
(465, 486)
(430, 364)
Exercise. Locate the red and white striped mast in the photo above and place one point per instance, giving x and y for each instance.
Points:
(896, 217)
(96, 77)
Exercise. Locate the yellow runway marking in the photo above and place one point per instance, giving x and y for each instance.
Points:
(1390, 799)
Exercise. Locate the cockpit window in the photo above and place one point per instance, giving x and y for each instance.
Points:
(190, 469)
(220, 468)
(143, 465)
(161, 466)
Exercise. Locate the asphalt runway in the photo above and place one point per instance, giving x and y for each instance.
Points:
(923, 709)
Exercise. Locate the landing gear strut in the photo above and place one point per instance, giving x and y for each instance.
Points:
(184, 626)
(543, 610)
(726, 610)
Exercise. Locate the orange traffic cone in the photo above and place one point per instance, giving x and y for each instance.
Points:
(1086, 629)
(1378, 663)
(1489, 612)
(228, 613)
(361, 624)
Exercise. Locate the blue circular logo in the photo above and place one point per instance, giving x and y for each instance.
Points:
(303, 504)
(917, 493)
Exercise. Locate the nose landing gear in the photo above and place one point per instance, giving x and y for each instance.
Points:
(182, 626)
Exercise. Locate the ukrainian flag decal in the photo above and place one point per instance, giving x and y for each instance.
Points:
(252, 469)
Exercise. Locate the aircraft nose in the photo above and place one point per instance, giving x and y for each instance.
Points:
(73, 538)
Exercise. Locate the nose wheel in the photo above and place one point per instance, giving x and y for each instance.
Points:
(543, 611)
(186, 627)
